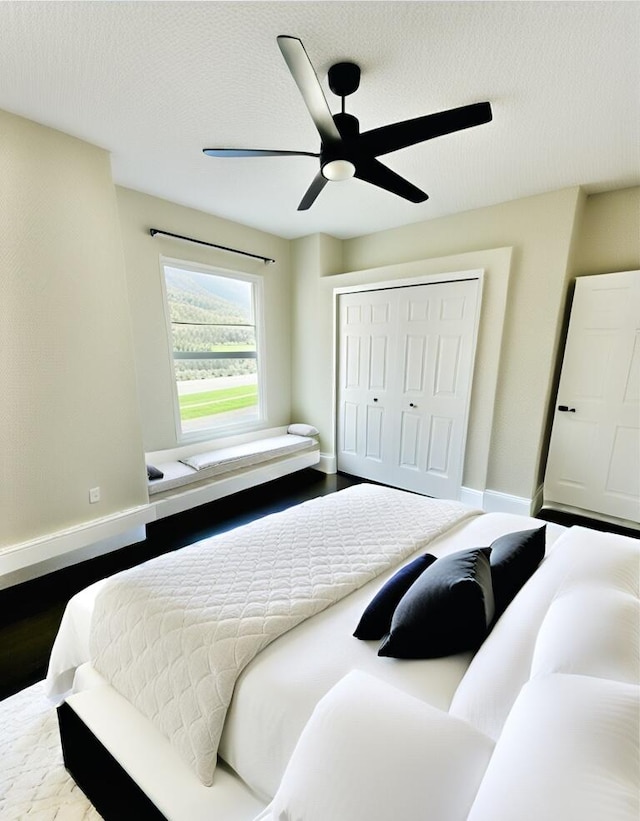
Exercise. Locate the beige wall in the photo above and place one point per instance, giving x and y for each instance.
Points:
(608, 238)
(540, 231)
(68, 401)
(139, 212)
(312, 357)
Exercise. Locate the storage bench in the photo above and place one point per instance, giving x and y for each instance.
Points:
(195, 475)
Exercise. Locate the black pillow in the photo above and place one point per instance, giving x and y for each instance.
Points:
(514, 559)
(154, 473)
(447, 610)
(376, 619)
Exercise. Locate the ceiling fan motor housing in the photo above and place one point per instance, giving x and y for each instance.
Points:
(344, 78)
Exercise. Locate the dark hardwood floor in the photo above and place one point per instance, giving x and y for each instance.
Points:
(30, 613)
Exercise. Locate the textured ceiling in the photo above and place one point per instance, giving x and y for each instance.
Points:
(154, 83)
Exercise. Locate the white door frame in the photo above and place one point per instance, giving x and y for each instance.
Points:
(425, 279)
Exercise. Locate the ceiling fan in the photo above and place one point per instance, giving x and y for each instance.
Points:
(344, 151)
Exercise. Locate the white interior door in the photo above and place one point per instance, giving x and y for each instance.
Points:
(405, 374)
(368, 352)
(594, 454)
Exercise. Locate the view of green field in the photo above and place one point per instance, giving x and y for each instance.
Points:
(209, 403)
(214, 348)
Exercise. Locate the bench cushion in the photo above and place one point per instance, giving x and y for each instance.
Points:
(224, 460)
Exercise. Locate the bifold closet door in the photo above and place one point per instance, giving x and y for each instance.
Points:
(404, 384)
(594, 453)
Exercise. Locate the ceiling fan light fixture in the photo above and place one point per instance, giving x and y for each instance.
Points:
(336, 170)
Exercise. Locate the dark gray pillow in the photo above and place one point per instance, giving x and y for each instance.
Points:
(447, 610)
(514, 559)
(376, 619)
(154, 473)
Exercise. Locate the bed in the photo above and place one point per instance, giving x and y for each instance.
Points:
(279, 675)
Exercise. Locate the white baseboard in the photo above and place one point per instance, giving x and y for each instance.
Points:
(53, 551)
(470, 496)
(327, 463)
(492, 501)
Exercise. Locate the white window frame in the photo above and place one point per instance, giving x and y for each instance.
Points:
(258, 313)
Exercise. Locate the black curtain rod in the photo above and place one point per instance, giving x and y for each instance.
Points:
(154, 231)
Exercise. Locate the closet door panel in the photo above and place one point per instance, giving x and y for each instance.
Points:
(446, 323)
(439, 453)
(349, 428)
(374, 429)
(368, 323)
(410, 438)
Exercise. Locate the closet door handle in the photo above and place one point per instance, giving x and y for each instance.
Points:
(411, 405)
(566, 409)
(375, 398)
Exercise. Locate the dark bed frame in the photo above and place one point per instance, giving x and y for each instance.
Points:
(104, 781)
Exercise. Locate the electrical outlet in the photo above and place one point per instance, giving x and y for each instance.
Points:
(94, 495)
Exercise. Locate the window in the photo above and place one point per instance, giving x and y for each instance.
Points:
(214, 338)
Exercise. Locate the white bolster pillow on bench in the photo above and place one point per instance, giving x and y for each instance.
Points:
(247, 453)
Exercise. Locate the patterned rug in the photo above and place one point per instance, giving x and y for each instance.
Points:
(33, 781)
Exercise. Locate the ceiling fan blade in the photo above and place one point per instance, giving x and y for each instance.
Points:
(409, 132)
(376, 173)
(314, 189)
(307, 81)
(255, 152)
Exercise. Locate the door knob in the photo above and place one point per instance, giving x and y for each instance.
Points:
(411, 405)
(566, 409)
(375, 398)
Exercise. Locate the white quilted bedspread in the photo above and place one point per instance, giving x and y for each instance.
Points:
(173, 635)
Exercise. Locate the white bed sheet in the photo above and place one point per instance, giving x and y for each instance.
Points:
(71, 646)
(277, 692)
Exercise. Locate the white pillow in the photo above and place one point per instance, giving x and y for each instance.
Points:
(591, 630)
(303, 430)
(370, 752)
(568, 752)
